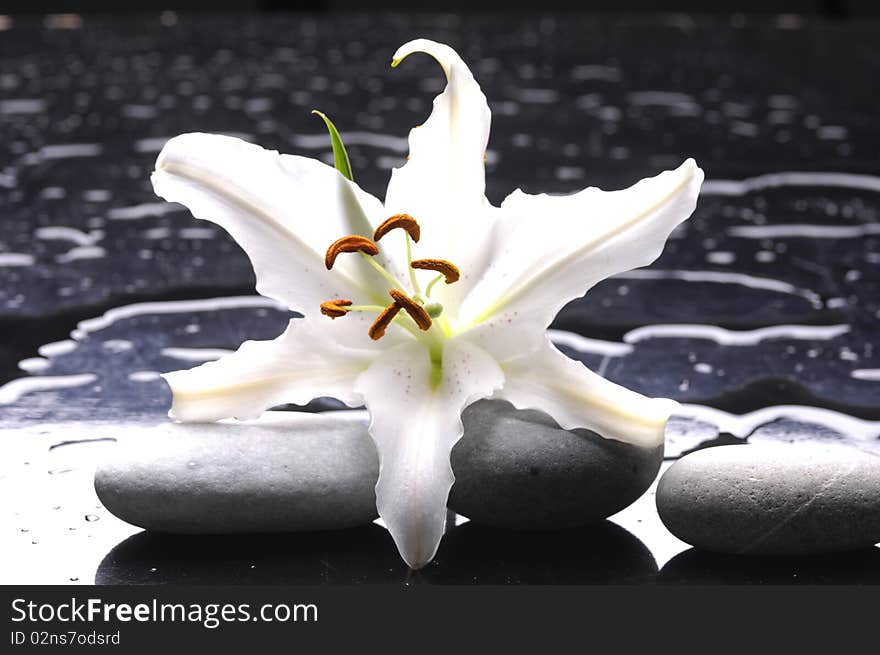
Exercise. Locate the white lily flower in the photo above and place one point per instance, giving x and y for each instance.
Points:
(417, 341)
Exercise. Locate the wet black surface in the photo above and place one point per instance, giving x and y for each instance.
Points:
(776, 278)
(698, 567)
(471, 554)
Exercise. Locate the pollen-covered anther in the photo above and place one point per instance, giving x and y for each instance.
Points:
(335, 308)
(402, 221)
(377, 329)
(448, 269)
(416, 312)
(351, 243)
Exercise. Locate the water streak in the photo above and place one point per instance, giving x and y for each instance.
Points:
(57, 348)
(64, 151)
(143, 376)
(790, 178)
(727, 337)
(741, 279)
(197, 233)
(742, 425)
(16, 259)
(804, 230)
(34, 364)
(586, 345)
(81, 252)
(143, 210)
(12, 391)
(196, 354)
(171, 307)
(64, 233)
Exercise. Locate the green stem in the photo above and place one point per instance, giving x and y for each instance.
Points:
(435, 376)
(404, 321)
(412, 271)
(443, 322)
(364, 308)
(382, 271)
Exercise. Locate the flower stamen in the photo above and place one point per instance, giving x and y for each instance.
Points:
(416, 312)
(351, 243)
(377, 329)
(417, 307)
(402, 221)
(334, 308)
(448, 269)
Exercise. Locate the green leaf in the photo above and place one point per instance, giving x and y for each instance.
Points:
(340, 157)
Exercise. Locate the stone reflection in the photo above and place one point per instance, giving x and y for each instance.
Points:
(701, 567)
(599, 554)
(355, 556)
(469, 554)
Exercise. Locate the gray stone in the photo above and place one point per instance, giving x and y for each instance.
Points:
(773, 500)
(280, 473)
(519, 469)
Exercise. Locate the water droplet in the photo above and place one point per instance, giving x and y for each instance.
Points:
(92, 517)
(74, 579)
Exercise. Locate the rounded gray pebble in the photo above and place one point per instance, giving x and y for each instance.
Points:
(773, 500)
(519, 469)
(283, 472)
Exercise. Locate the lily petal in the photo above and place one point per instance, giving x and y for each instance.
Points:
(305, 362)
(552, 249)
(443, 182)
(415, 424)
(284, 210)
(578, 398)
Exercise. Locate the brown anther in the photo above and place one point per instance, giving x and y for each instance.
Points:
(351, 243)
(334, 308)
(416, 311)
(377, 329)
(449, 270)
(403, 221)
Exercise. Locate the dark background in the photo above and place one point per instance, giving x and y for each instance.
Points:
(85, 106)
(829, 8)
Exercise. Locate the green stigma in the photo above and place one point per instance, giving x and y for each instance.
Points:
(434, 309)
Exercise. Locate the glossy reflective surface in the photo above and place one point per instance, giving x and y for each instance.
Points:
(761, 316)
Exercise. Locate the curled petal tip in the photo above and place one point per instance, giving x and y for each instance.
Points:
(444, 55)
(691, 166)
